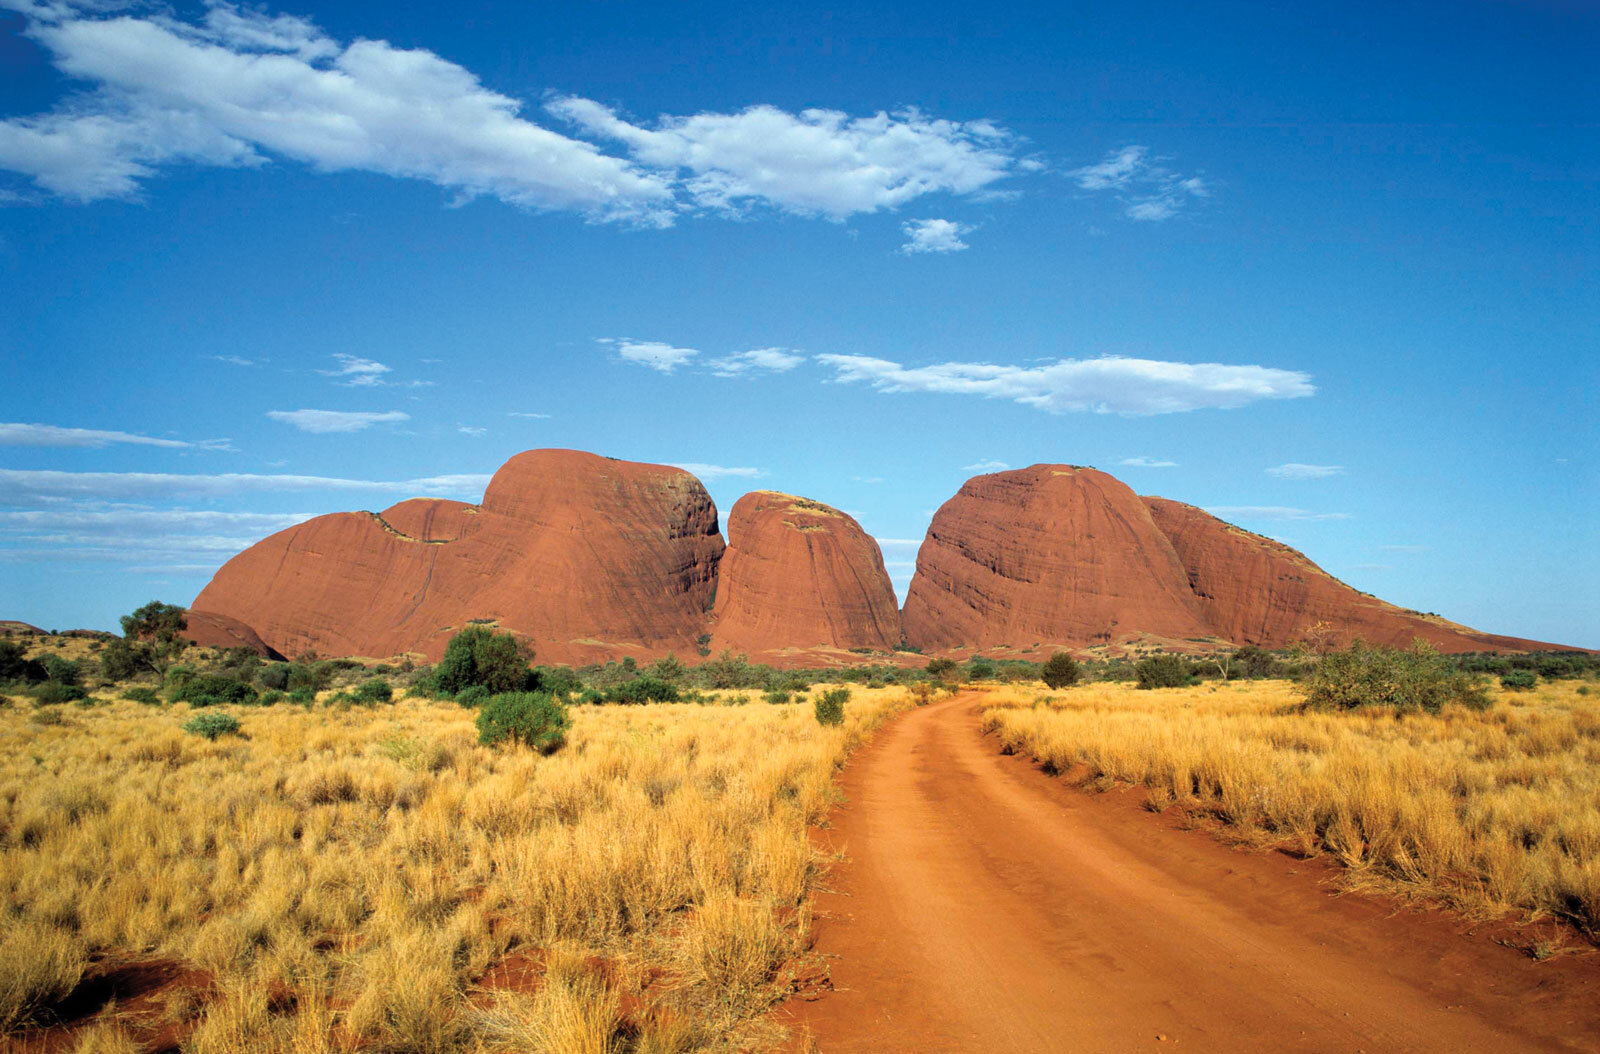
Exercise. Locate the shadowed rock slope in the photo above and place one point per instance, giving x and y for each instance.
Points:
(1253, 590)
(586, 557)
(799, 574)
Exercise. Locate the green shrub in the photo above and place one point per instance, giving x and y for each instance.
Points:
(591, 696)
(15, 667)
(375, 690)
(1252, 662)
(1060, 671)
(473, 695)
(557, 680)
(1418, 678)
(534, 719)
(941, 667)
(209, 689)
(140, 694)
(275, 676)
(776, 696)
(271, 698)
(480, 656)
(51, 692)
(212, 725)
(1161, 671)
(643, 690)
(980, 670)
(1519, 680)
(829, 706)
(303, 697)
(61, 671)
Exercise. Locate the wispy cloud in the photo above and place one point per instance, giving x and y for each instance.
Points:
(241, 87)
(30, 487)
(1147, 189)
(472, 430)
(1111, 384)
(16, 434)
(705, 472)
(768, 360)
(661, 357)
(1147, 462)
(357, 372)
(1271, 512)
(1294, 470)
(988, 465)
(234, 360)
(327, 421)
(531, 417)
(933, 236)
(811, 163)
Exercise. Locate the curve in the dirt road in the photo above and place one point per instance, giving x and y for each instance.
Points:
(982, 906)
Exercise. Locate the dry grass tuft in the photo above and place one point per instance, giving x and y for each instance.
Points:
(348, 878)
(1488, 810)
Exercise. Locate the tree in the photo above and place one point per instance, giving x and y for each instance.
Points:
(480, 656)
(1060, 671)
(152, 639)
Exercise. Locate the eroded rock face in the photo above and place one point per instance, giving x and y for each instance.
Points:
(799, 574)
(1254, 590)
(586, 557)
(1053, 554)
(211, 630)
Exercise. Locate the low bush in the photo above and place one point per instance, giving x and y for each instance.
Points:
(941, 667)
(473, 695)
(776, 696)
(922, 693)
(980, 670)
(14, 667)
(644, 689)
(829, 706)
(302, 697)
(557, 680)
(211, 726)
(209, 689)
(140, 694)
(1519, 680)
(1060, 671)
(272, 698)
(480, 656)
(61, 671)
(51, 692)
(534, 719)
(275, 676)
(1417, 679)
(1161, 671)
(375, 690)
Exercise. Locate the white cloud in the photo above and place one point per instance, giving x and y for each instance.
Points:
(27, 487)
(652, 353)
(16, 434)
(243, 86)
(1294, 470)
(533, 417)
(989, 465)
(898, 541)
(1271, 512)
(814, 163)
(234, 360)
(358, 372)
(1147, 462)
(1111, 384)
(1148, 189)
(933, 236)
(472, 430)
(706, 472)
(326, 421)
(772, 360)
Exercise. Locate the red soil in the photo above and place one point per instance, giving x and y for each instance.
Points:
(984, 906)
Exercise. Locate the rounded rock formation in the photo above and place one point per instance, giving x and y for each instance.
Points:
(1051, 554)
(798, 574)
(583, 556)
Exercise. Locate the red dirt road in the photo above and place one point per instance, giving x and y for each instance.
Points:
(983, 906)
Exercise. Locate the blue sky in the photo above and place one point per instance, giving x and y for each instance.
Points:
(1329, 273)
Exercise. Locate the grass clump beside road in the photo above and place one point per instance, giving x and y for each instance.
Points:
(1489, 806)
(376, 878)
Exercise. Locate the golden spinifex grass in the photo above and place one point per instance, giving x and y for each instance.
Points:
(347, 878)
(1489, 810)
